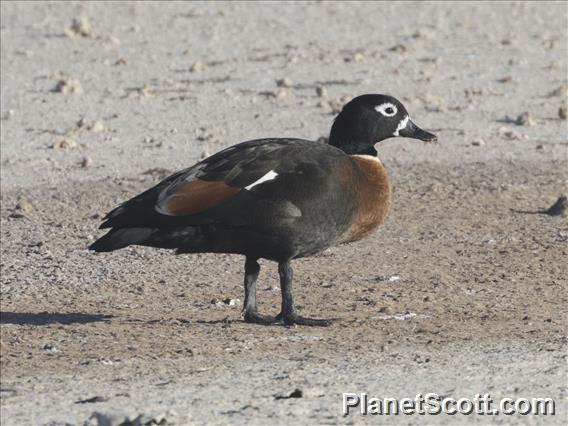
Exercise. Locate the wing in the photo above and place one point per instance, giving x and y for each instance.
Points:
(194, 196)
(254, 182)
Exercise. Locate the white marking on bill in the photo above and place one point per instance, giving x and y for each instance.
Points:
(401, 125)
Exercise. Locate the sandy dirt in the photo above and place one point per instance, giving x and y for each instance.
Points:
(464, 291)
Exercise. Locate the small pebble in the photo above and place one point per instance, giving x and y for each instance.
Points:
(86, 163)
(281, 93)
(297, 393)
(422, 34)
(399, 48)
(81, 27)
(474, 91)
(511, 134)
(199, 67)
(321, 91)
(65, 144)
(293, 59)
(358, 57)
(562, 112)
(388, 278)
(50, 348)
(478, 142)
(114, 40)
(24, 206)
(97, 127)
(404, 316)
(141, 92)
(68, 85)
(525, 119)
(284, 82)
(83, 122)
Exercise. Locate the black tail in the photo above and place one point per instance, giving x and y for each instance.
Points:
(120, 238)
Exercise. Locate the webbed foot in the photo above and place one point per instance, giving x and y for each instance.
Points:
(254, 317)
(298, 320)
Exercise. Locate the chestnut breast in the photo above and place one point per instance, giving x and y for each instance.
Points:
(372, 193)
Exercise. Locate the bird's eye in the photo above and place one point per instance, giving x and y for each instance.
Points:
(387, 109)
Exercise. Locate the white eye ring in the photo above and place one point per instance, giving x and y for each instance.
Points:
(382, 108)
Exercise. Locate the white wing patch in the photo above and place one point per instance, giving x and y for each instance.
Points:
(401, 125)
(387, 109)
(269, 176)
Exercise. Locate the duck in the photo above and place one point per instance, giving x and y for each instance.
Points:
(278, 199)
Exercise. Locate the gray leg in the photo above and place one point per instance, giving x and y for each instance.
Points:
(252, 268)
(288, 314)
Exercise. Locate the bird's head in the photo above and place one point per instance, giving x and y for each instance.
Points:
(368, 119)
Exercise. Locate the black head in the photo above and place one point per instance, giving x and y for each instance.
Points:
(369, 119)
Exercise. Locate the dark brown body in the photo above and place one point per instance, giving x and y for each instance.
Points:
(304, 226)
(320, 197)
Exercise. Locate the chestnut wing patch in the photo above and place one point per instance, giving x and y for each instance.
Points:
(196, 196)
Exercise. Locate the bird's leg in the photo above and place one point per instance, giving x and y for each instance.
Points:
(252, 268)
(288, 314)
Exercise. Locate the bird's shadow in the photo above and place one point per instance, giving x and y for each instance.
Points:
(46, 318)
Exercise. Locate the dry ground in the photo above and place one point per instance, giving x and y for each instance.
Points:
(483, 289)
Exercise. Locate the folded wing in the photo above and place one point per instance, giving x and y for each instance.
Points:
(236, 186)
